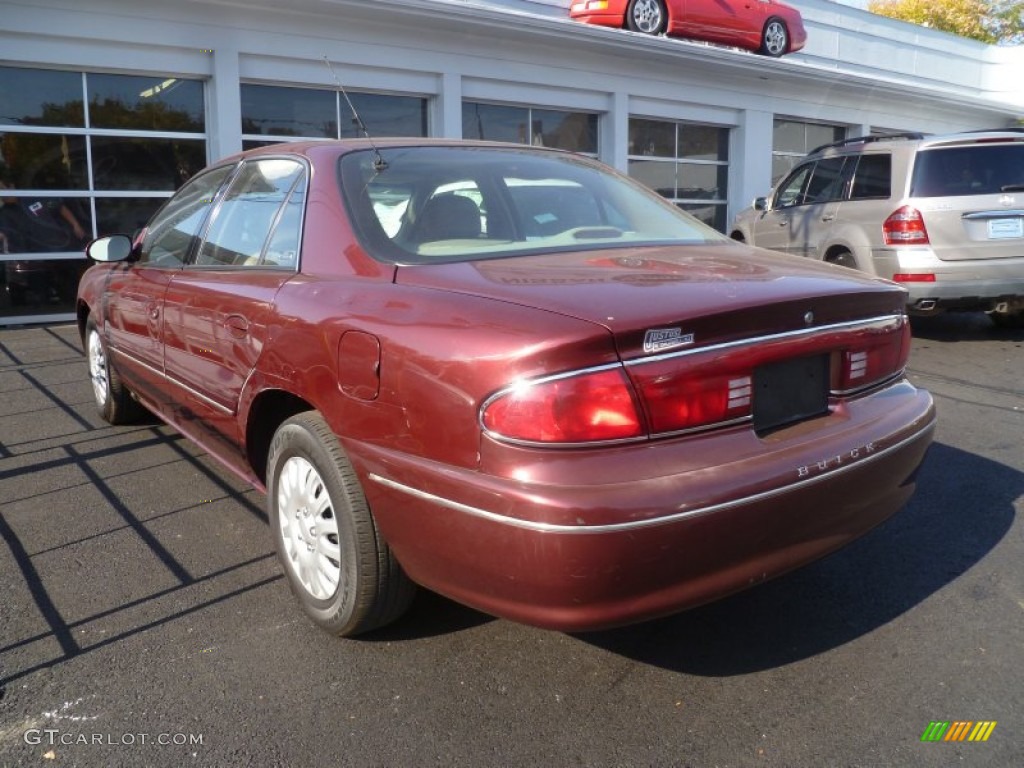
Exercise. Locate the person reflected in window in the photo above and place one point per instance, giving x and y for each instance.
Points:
(36, 224)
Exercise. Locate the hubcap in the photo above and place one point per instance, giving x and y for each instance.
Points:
(309, 528)
(98, 373)
(775, 38)
(647, 16)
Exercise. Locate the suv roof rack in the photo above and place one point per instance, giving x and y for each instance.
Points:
(908, 136)
(1010, 129)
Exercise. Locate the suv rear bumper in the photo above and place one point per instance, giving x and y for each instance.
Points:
(978, 284)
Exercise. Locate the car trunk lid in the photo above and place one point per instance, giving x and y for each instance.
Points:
(653, 299)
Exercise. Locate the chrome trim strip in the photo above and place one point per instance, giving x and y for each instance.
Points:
(176, 382)
(892, 379)
(994, 214)
(879, 321)
(638, 524)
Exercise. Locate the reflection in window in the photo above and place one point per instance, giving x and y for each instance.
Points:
(249, 210)
(170, 235)
(793, 139)
(39, 286)
(313, 113)
(684, 162)
(40, 97)
(124, 214)
(146, 103)
(572, 131)
(35, 223)
(34, 161)
(134, 162)
(116, 156)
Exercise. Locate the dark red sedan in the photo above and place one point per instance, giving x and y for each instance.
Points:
(507, 374)
(768, 27)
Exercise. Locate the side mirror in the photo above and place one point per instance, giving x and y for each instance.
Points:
(760, 203)
(108, 249)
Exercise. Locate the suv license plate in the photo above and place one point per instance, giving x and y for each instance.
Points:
(1002, 229)
(790, 391)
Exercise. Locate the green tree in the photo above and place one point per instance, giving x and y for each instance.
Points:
(990, 21)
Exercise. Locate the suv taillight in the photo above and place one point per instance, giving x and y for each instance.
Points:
(905, 226)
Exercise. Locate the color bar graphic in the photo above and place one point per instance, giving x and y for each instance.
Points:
(958, 730)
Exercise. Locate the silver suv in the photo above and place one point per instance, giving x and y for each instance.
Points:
(941, 215)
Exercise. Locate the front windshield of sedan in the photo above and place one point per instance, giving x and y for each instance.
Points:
(443, 204)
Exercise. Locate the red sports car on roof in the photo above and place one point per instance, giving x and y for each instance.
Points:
(765, 26)
(507, 374)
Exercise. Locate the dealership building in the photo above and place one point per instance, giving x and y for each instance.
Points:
(106, 107)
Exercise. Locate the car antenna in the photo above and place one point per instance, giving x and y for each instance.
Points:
(379, 163)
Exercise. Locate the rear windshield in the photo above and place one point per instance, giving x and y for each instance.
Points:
(443, 204)
(980, 169)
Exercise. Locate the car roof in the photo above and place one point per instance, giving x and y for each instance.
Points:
(915, 140)
(344, 146)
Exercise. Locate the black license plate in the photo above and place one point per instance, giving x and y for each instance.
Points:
(790, 391)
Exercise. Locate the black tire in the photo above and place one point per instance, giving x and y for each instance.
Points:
(738, 237)
(113, 400)
(647, 16)
(843, 259)
(774, 38)
(339, 567)
(1011, 321)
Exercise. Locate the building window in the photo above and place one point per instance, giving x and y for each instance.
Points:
(572, 131)
(686, 163)
(290, 114)
(793, 139)
(84, 154)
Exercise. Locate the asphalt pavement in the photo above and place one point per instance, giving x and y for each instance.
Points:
(144, 620)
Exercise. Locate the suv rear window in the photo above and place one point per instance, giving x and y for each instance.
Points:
(980, 169)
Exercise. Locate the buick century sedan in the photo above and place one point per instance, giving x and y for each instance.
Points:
(507, 374)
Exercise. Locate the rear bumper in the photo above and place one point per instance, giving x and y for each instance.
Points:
(577, 555)
(978, 284)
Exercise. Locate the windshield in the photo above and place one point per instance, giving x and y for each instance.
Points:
(444, 204)
(979, 169)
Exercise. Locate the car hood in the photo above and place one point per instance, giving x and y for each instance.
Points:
(718, 292)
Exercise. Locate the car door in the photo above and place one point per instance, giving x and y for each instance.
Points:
(217, 306)
(802, 210)
(133, 300)
(810, 223)
(772, 228)
(723, 21)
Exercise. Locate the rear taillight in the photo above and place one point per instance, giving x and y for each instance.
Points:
(905, 226)
(690, 391)
(919, 277)
(588, 407)
(676, 401)
(875, 358)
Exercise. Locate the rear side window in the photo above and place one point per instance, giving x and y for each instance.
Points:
(872, 178)
(251, 208)
(980, 169)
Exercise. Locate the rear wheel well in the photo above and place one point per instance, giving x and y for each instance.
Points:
(841, 255)
(737, 236)
(269, 410)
